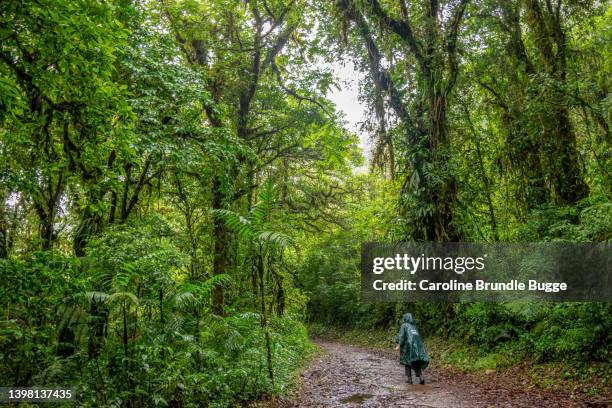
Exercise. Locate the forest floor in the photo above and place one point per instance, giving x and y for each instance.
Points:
(344, 375)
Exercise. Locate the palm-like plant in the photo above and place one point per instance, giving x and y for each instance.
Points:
(255, 227)
(266, 247)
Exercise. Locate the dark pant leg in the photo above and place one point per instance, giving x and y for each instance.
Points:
(408, 371)
(417, 371)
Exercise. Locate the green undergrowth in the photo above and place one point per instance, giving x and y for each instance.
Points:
(470, 358)
(375, 338)
(304, 353)
(175, 355)
(292, 383)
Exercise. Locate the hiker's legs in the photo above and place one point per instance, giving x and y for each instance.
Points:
(408, 373)
(419, 375)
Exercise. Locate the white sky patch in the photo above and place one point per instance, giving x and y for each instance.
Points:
(347, 101)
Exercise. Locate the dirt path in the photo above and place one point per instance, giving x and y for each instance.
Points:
(348, 376)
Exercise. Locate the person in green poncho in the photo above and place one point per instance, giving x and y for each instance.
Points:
(413, 354)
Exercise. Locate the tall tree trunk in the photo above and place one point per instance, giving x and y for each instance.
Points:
(483, 173)
(98, 319)
(91, 224)
(92, 221)
(220, 247)
(4, 228)
(565, 173)
(45, 203)
(444, 192)
(428, 199)
(263, 314)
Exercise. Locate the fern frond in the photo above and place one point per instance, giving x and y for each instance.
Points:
(266, 200)
(235, 222)
(185, 299)
(123, 296)
(96, 296)
(277, 238)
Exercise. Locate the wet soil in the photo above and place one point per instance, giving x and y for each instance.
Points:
(343, 375)
(349, 376)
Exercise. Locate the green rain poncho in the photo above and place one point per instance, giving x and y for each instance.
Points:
(412, 349)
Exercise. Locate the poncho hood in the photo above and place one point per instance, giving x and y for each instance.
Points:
(407, 318)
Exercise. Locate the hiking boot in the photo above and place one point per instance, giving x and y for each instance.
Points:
(421, 380)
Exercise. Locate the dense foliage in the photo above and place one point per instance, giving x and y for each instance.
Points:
(179, 196)
(155, 158)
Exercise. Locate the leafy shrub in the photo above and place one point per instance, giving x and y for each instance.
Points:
(573, 331)
(35, 297)
(484, 324)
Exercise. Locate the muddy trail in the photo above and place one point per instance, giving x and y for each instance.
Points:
(349, 376)
(344, 375)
